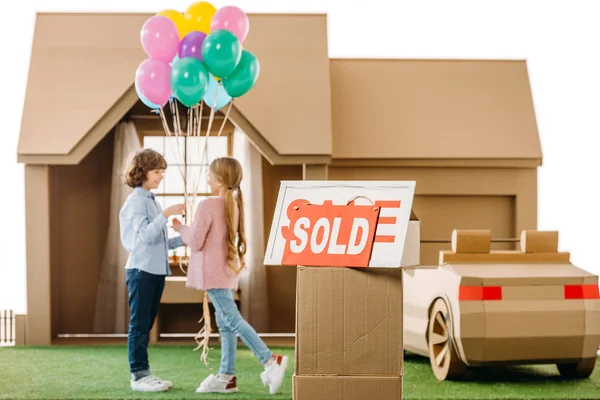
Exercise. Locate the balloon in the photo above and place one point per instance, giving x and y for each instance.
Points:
(181, 23)
(214, 87)
(144, 100)
(199, 16)
(221, 52)
(189, 80)
(244, 76)
(174, 61)
(191, 45)
(160, 38)
(152, 78)
(233, 19)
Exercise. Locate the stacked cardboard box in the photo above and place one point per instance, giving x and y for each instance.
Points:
(349, 341)
(348, 334)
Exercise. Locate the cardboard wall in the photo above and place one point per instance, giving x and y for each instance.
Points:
(439, 215)
(37, 222)
(281, 280)
(79, 204)
(500, 199)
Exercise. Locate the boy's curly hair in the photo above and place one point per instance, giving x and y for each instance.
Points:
(143, 161)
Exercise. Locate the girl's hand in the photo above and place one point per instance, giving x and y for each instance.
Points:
(176, 225)
(177, 209)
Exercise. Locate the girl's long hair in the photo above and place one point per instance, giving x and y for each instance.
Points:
(228, 171)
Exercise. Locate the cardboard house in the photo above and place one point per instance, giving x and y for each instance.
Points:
(464, 130)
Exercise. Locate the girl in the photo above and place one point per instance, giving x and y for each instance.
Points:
(144, 235)
(218, 246)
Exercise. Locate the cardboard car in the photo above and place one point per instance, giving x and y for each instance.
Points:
(481, 308)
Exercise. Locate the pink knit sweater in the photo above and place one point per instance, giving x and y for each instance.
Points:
(207, 241)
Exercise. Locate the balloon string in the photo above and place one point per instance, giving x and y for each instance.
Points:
(197, 131)
(178, 119)
(205, 151)
(177, 130)
(225, 118)
(164, 122)
(200, 113)
(190, 121)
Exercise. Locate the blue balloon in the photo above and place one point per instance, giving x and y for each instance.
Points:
(144, 100)
(222, 97)
(171, 64)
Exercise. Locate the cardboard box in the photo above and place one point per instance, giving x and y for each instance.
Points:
(349, 342)
(412, 244)
(349, 321)
(347, 387)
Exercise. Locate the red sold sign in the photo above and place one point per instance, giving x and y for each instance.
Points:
(328, 235)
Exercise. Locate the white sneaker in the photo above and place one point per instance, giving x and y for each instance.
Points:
(169, 384)
(217, 384)
(149, 384)
(273, 374)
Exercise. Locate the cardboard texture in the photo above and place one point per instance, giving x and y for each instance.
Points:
(503, 256)
(471, 241)
(504, 308)
(64, 40)
(539, 242)
(486, 104)
(349, 321)
(347, 387)
(477, 180)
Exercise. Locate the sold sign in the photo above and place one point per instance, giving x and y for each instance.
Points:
(329, 235)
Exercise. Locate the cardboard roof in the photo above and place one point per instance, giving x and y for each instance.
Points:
(304, 108)
(423, 109)
(81, 82)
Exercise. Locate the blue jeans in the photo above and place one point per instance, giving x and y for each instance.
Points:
(230, 323)
(145, 291)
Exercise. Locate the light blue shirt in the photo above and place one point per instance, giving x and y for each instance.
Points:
(144, 233)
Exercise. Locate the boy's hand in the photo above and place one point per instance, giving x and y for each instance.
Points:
(176, 225)
(177, 209)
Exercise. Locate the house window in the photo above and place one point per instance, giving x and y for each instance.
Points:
(187, 168)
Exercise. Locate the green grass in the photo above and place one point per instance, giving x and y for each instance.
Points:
(101, 372)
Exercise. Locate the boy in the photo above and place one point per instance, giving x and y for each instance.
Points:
(144, 235)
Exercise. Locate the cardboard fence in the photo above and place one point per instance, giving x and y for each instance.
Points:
(349, 241)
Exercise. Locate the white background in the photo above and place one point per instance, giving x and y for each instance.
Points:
(559, 39)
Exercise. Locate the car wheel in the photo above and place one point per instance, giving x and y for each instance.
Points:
(442, 355)
(580, 370)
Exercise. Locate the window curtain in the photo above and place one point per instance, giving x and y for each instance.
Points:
(253, 281)
(111, 313)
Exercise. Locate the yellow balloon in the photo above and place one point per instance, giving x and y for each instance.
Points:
(179, 20)
(199, 16)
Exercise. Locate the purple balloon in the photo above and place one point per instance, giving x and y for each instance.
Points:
(191, 45)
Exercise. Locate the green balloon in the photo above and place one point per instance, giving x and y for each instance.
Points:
(244, 76)
(189, 81)
(221, 52)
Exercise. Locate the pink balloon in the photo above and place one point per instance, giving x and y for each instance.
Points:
(153, 78)
(160, 38)
(232, 19)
